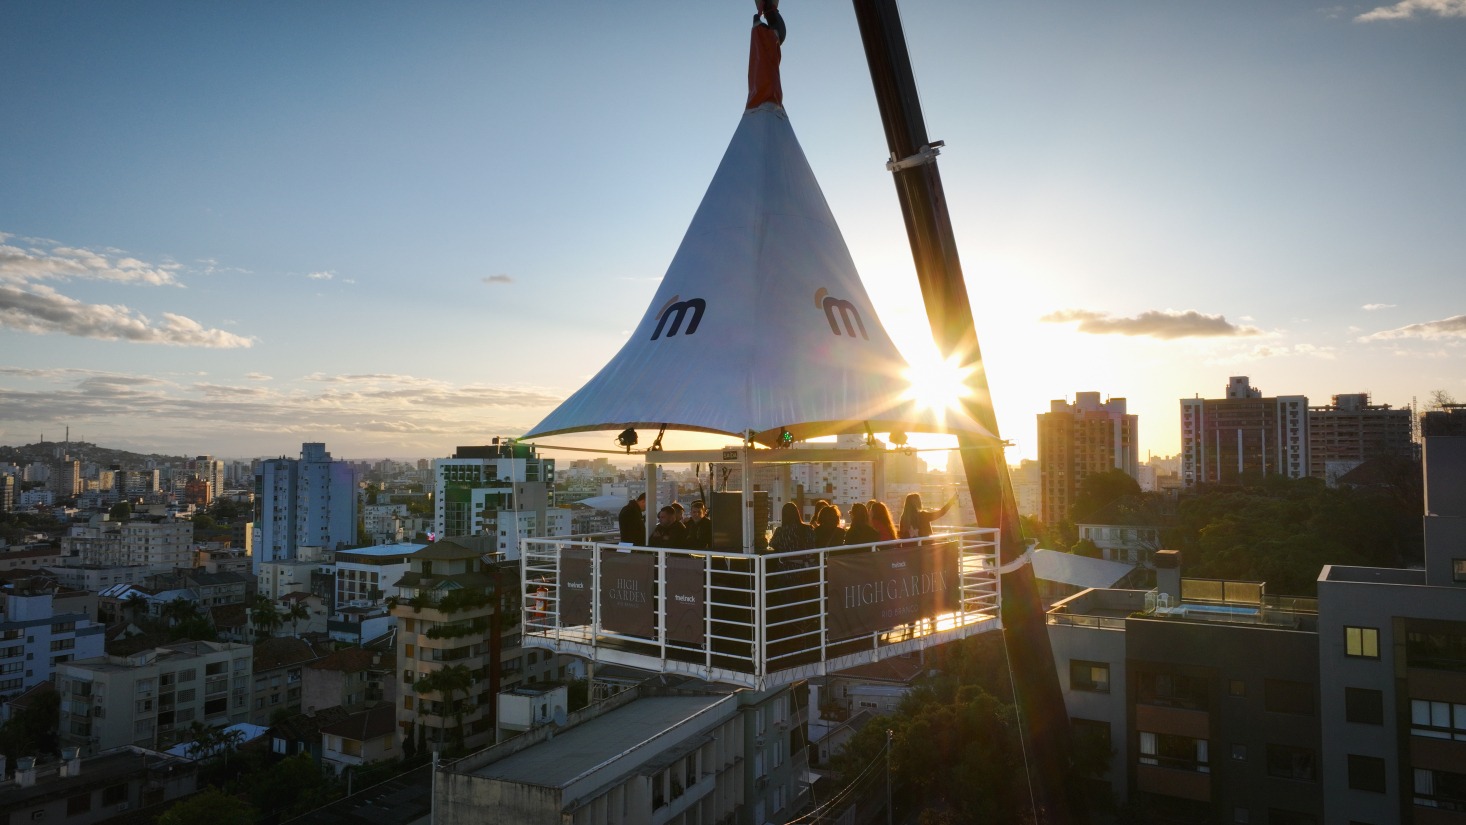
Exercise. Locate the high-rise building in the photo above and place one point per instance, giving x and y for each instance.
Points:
(7, 493)
(1350, 431)
(495, 489)
(1080, 439)
(306, 502)
(66, 478)
(1225, 439)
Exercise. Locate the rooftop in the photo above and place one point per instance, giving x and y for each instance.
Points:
(380, 550)
(1371, 575)
(557, 762)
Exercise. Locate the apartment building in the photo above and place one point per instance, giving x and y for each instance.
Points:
(1080, 439)
(150, 698)
(310, 502)
(278, 667)
(667, 756)
(1350, 431)
(36, 636)
(501, 488)
(1223, 703)
(1224, 439)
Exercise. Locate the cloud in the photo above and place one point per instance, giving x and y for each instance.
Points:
(1407, 9)
(321, 276)
(1163, 324)
(27, 266)
(1453, 327)
(1373, 307)
(498, 279)
(42, 310)
(257, 376)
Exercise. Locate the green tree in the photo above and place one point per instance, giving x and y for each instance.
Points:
(265, 618)
(293, 786)
(449, 681)
(210, 807)
(136, 606)
(121, 511)
(179, 611)
(32, 730)
(1098, 491)
(297, 611)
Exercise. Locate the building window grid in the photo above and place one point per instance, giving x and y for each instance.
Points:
(1361, 642)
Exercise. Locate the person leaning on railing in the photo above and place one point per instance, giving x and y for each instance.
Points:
(792, 534)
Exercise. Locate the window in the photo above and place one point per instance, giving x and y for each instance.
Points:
(1283, 696)
(1361, 642)
(1239, 752)
(1458, 570)
(1237, 687)
(1364, 706)
(407, 703)
(1091, 676)
(1437, 720)
(1366, 773)
(1173, 690)
(1289, 762)
(79, 804)
(1170, 751)
(1439, 789)
(114, 795)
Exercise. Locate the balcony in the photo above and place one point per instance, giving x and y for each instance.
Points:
(756, 620)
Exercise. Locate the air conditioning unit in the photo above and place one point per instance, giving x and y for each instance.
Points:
(781, 725)
(758, 741)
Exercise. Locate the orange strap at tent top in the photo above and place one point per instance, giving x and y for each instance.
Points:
(763, 68)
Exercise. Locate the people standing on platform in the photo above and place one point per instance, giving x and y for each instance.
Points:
(669, 532)
(633, 521)
(793, 533)
(880, 519)
(860, 531)
(699, 527)
(827, 529)
(916, 522)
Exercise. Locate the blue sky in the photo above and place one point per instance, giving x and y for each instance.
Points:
(233, 227)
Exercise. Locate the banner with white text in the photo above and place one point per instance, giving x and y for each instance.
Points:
(871, 592)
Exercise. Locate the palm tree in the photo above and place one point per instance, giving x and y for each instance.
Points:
(180, 610)
(297, 611)
(264, 617)
(448, 681)
(135, 604)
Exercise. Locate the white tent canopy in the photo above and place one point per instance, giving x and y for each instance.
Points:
(761, 323)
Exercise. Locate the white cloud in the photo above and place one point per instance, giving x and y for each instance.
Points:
(321, 276)
(497, 279)
(1163, 324)
(42, 310)
(25, 266)
(1373, 307)
(1446, 328)
(257, 376)
(1408, 9)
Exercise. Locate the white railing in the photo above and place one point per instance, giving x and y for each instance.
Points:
(765, 618)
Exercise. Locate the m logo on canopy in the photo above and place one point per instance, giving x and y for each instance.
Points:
(830, 303)
(676, 309)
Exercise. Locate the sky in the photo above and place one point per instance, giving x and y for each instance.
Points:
(229, 228)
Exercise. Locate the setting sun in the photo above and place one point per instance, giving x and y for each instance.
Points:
(938, 384)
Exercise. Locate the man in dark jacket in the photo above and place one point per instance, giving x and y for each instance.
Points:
(699, 528)
(633, 521)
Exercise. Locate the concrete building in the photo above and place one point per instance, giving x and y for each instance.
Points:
(1350, 431)
(478, 485)
(1392, 662)
(310, 501)
(1224, 439)
(1225, 704)
(279, 577)
(36, 637)
(351, 678)
(7, 492)
(150, 698)
(278, 668)
(128, 781)
(1205, 691)
(367, 576)
(1077, 440)
(446, 617)
(657, 756)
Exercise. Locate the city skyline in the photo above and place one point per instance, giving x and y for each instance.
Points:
(230, 230)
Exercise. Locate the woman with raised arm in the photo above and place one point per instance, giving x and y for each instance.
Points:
(916, 522)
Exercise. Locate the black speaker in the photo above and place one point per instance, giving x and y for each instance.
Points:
(726, 513)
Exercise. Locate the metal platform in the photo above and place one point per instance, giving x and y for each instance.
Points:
(756, 620)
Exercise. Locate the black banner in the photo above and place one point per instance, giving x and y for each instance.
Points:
(684, 605)
(628, 582)
(871, 592)
(575, 587)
